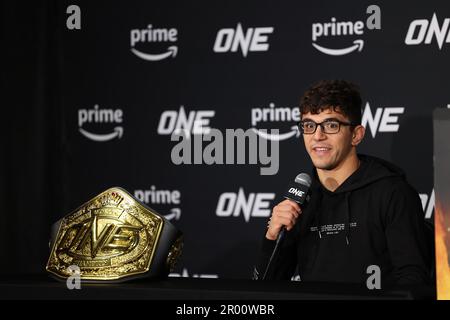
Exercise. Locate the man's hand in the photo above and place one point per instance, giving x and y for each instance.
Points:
(284, 214)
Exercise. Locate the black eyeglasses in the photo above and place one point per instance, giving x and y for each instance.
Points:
(328, 126)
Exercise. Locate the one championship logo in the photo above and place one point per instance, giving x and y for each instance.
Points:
(296, 192)
(110, 237)
(101, 236)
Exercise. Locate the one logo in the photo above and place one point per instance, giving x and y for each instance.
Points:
(345, 28)
(298, 193)
(275, 114)
(194, 121)
(154, 35)
(382, 120)
(185, 274)
(101, 236)
(256, 205)
(154, 197)
(254, 39)
(97, 116)
(423, 31)
(428, 203)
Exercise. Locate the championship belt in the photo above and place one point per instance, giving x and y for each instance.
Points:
(114, 237)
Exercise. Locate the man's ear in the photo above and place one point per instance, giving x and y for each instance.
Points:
(358, 135)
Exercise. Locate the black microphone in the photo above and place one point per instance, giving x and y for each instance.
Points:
(297, 191)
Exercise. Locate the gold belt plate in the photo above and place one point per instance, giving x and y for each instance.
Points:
(110, 237)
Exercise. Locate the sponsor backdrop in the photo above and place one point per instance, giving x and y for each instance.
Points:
(131, 74)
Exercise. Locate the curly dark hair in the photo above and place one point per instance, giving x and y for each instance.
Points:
(342, 96)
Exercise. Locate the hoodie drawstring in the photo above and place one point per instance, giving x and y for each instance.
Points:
(319, 215)
(347, 229)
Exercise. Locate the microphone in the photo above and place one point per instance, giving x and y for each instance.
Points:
(297, 191)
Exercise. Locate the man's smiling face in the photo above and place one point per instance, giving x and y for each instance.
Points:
(328, 151)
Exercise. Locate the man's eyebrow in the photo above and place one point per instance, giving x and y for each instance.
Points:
(326, 119)
(331, 119)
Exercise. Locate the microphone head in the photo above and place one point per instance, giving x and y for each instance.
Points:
(298, 191)
(304, 179)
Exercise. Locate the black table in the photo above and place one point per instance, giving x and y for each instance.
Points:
(43, 287)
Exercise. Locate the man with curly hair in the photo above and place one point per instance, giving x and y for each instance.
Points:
(362, 215)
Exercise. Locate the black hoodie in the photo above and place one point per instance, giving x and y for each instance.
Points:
(373, 218)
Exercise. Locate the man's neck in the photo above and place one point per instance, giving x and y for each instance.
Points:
(332, 179)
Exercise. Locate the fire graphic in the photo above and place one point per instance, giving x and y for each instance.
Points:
(442, 250)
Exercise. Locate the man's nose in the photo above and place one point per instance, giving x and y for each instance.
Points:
(319, 134)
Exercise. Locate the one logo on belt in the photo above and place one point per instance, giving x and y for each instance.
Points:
(97, 116)
(102, 236)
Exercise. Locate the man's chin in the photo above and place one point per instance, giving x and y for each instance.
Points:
(324, 165)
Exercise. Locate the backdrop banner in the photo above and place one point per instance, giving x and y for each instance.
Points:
(192, 107)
